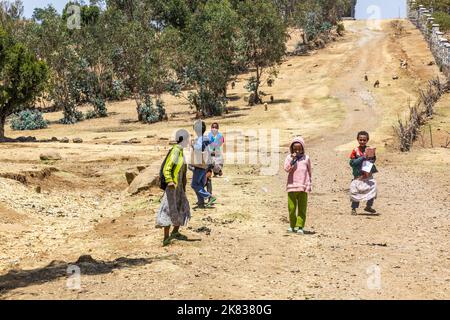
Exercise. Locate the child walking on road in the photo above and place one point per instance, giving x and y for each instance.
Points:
(363, 186)
(216, 146)
(174, 210)
(201, 162)
(299, 184)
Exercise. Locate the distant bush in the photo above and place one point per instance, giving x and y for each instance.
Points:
(340, 29)
(28, 120)
(207, 102)
(117, 91)
(149, 112)
(91, 114)
(71, 115)
(443, 19)
(99, 111)
(100, 107)
(326, 26)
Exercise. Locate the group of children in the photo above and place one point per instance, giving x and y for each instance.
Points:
(299, 184)
(207, 160)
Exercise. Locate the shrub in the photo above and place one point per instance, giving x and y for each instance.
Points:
(340, 29)
(100, 107)
(71, 114)
(251, 84)
(91, 114)
(207, 103)
(326, 26)
(117, 91)
(28, 120)
(149, 112)
(443, 19)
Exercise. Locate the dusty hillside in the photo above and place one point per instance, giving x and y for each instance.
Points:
(240, 248)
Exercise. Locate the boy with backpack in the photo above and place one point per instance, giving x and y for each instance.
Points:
(201, 162)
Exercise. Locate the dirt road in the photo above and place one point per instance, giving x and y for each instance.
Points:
(240, 249)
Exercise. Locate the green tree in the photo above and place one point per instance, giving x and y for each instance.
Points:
(11, 13)
(309, 19)
(22, 78)
(175, 13)
(318, 16)
(139, 53)
(209, 64)
(49, 36)
(263, 36)
(437, 5)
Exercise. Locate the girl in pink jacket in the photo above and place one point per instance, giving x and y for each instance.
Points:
(299, 184)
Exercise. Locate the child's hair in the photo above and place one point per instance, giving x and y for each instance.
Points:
(197, 127)
(297, 142)
(363, 133)
(215, 124)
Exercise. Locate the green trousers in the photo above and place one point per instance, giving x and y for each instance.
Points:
(297, 200)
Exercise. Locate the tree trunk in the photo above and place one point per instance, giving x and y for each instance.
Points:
(138, 101)
(2, 127)
(258, 81)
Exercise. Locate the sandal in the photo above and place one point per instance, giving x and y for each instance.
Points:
(166, 242)
(179, 236)
(211, 201)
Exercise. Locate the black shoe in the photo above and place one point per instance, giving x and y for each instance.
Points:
(370, 210)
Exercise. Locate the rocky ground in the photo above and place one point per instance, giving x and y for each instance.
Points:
(77, 211)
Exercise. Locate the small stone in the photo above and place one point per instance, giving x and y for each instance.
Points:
(141, 168)
(146, 179)
(64, 140)
(51, 155)
(130, 176)
(77, 140)
(134, 141)
(26, 139)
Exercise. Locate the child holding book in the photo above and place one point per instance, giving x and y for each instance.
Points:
(299, 184)
(363, 186)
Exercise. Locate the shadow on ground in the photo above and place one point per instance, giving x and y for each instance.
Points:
(59, 269)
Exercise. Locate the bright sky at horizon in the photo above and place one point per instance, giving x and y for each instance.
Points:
(30, 5)
(380, 9)
(365, 9)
